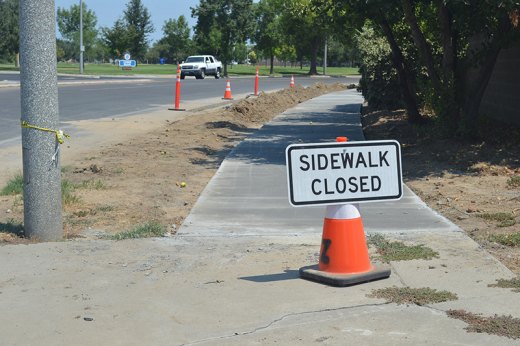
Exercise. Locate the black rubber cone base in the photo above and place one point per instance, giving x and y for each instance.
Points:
(342, 280)
(177, 109)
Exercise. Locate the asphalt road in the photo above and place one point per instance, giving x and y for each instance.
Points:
(110, 99)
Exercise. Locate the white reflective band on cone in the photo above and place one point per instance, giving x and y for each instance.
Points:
(342, 212)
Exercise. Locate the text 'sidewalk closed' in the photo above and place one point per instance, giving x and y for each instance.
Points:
(346, 172)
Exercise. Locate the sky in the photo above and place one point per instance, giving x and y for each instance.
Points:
(108, 11)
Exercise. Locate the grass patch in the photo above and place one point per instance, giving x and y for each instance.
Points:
(417, 296)
(67, 193)
(92, 185)
(506, 239)
(514, 181)
(398, 251)
(507, 326)
(512, 283)
(12, 227)
(502, 219)
(148, 230)
(13, 187)
(104, 208)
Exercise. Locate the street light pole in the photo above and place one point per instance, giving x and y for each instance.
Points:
(81, 48)
(325, 56)
(40, 120)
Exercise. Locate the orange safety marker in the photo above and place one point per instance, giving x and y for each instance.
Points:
(177, 92)
(256, 82)
(227, 93)
(291, 85)
(344, 259)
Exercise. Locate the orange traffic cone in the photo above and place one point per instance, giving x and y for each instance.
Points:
(291, 85)
(256, 83)
(344, 259)
(177, 92)
(227, 93)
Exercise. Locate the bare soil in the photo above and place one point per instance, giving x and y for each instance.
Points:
(155, 169)
(466, 181)
(152, 169)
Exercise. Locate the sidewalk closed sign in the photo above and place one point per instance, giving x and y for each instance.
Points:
(344, 172)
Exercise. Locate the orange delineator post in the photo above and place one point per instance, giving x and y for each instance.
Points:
(177, 92)
(227, 93)
(256, 82)
(344, 259)
(291, 85)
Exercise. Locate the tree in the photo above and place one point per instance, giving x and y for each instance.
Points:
(456, 45)
(138, 24)
(68, 25)
(222, 24)
(307, 22)
(176, 39)
(116, 38)
(9, 42)
(268, 35)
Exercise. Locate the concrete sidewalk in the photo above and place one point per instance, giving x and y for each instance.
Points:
(230, 276)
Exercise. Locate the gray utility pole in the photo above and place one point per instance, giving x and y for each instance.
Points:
(40, 120)
(325, 57)
(81, 48)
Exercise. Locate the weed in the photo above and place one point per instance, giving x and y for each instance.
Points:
(92, 185)
(503, 219)
(105, 208)
(13, 187)
(506, 239)
(514, 181)
(407, 295)
(67, 193)
(398, 251)
(512, 283)
(148, 230)
(507, 326)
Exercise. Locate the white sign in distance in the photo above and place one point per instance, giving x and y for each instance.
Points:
(127, 56)
(344, 172)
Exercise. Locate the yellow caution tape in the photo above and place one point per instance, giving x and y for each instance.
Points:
(60, 136)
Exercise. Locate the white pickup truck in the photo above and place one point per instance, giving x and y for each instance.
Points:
(200, 66)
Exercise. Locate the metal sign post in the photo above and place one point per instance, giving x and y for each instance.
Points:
(40, 120)
(81, 47)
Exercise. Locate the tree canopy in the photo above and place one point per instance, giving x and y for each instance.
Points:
(176, 39)
(68, 25)
(9, 42)
(221, 25)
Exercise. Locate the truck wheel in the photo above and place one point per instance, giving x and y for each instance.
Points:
(217, 74)
(183, 76)
(202, 74)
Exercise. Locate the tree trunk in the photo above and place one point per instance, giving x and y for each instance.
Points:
(314, 57)
(477, 79)
(422, 45)
(271, 70)
(405, 78)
